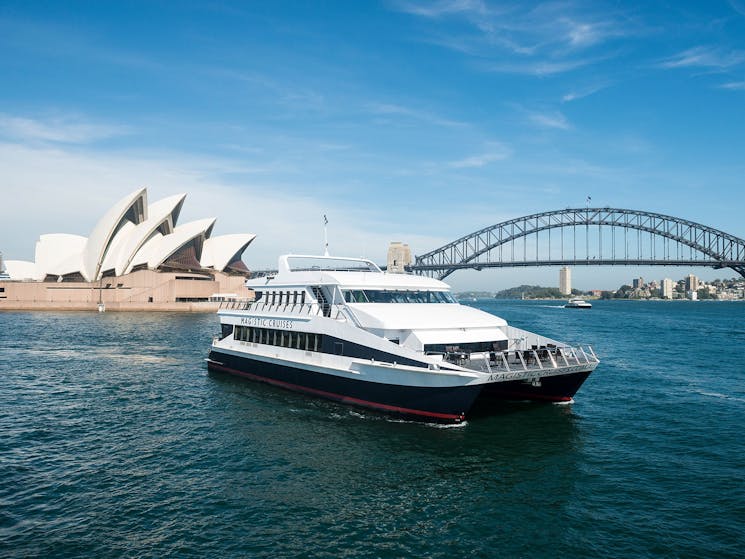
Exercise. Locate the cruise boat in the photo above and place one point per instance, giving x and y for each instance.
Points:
(577, 304)
(342, 329)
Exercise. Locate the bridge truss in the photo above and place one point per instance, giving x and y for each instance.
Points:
(590, 237)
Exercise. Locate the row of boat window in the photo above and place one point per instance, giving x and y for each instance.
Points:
(465, 347)
(281, 297)
(396, 296)
(283, 338)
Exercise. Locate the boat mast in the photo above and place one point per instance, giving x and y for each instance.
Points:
(325, 236)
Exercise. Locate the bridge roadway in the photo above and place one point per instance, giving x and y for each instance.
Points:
(664, 234)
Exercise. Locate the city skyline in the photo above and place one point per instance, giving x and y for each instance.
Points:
(399, 120)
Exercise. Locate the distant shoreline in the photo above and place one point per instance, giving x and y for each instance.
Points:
(46, 306)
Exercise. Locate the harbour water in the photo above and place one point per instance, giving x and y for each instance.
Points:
(116, 442)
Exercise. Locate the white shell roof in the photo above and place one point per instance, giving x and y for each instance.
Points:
(59, 253)
(22, 270)
(219, 251)
(163, 212)
(101, 236)
(116, 245)
(169, 244)
(143, 255)
(131, 233)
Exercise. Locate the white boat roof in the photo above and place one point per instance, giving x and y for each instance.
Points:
(423, 316)
(350, 273)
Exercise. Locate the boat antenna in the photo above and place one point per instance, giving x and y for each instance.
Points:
(325, 236)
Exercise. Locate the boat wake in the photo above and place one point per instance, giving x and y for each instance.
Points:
(719, 396)
(391, 419)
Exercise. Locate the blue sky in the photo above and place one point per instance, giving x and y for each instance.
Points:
(400, 120)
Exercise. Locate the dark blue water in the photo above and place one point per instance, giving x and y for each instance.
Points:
(115, 442)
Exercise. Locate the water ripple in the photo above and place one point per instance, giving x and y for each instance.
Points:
(116, 442)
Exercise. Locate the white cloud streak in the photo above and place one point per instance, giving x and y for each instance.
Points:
(733, 86)
(547, 38)
(704, 57)
(494, 152)
(581, 93)
(388, 109)
(66, 130)
(550, 120)
(62, 190)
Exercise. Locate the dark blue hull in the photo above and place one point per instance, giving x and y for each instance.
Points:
(550, 389)
(448, 405)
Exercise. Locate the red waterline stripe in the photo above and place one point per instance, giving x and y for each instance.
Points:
(334, 396)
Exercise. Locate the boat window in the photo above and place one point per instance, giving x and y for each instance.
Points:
(396, 296)
(329, 264)
(282, 338)
(466, 347)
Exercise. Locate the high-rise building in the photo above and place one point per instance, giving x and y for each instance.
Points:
(667, 288)
(565, 280)
(637, 283)
(399, 256)
(691, 283)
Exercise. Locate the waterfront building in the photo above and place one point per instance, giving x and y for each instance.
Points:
(565, 281)
(667, 288)
(137, 255)
(399, 256)
(637, 283)
(692, 283)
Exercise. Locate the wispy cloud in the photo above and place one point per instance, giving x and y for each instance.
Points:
(734, 86)
(582, 92)
(739, 7)
(704, 57)
(540, 68)
(494, 151)
(57, 40)
(548, 38)
(444, 7)
(60, 129)
(389, 109)
(48, 183)
(550, 120)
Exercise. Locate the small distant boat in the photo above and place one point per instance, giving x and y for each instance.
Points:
(577, 304)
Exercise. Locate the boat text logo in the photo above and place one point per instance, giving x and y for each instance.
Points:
(258, 322)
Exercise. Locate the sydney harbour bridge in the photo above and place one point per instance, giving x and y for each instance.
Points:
(587, 237)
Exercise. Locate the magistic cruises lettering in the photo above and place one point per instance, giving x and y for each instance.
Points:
(259, 322)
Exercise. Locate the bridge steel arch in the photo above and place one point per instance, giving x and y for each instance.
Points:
(717, 248)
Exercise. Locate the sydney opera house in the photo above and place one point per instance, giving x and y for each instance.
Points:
(137, 257)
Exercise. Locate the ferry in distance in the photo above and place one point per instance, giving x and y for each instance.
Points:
(577, 304)
(342, 329)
